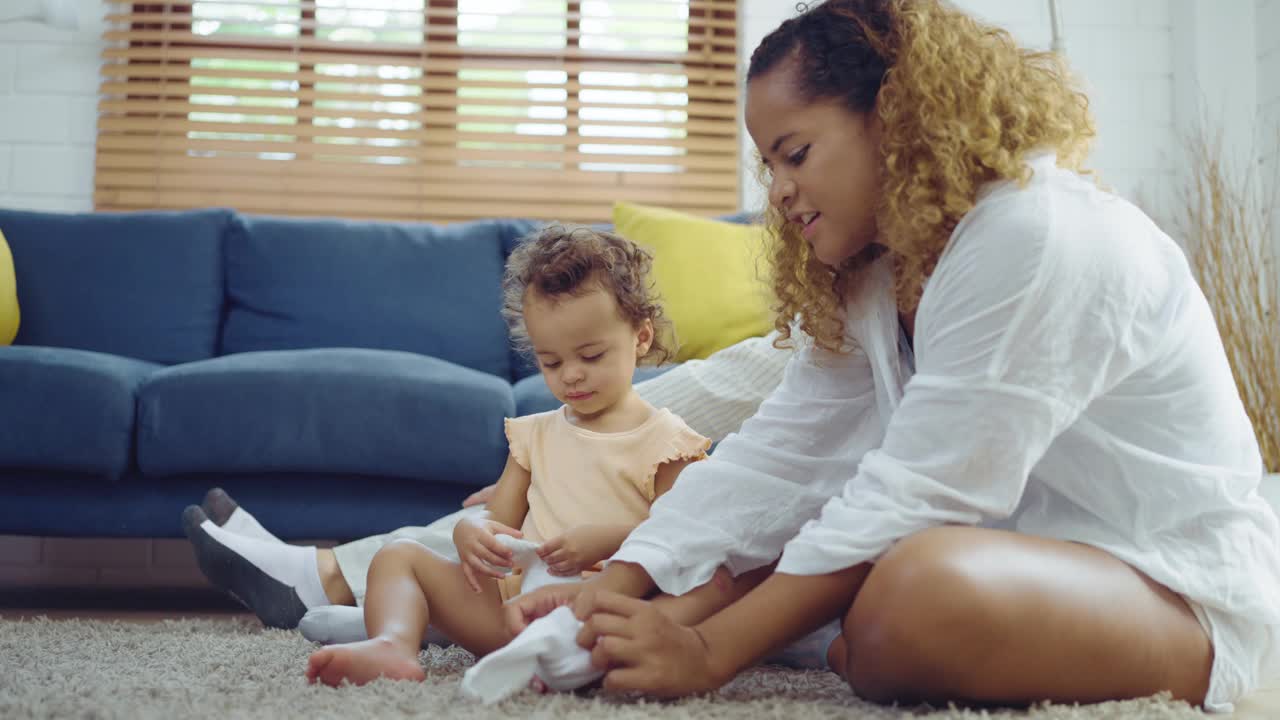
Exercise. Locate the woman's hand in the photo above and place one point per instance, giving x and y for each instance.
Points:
(480, 552)
(642, 649)
(524, 609)
(581, 547)
(621, 577)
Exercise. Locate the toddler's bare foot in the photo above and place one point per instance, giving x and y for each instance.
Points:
(362, 662)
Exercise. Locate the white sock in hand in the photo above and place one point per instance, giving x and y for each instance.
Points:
(547, 649)
(534, 572)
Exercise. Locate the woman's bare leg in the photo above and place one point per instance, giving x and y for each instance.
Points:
(985, 616)
(410, 587)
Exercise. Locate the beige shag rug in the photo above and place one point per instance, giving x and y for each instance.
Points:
(234, 668)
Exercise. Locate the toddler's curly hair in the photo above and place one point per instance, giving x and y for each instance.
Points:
(574, 260)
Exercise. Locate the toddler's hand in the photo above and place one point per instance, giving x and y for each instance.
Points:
(479, 550)
(578, 549)
(527, 607)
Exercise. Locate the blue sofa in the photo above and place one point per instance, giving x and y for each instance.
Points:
(340, 378)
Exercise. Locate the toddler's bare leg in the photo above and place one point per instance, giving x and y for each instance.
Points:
(409, 587)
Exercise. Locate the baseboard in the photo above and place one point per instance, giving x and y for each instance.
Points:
(34, 563)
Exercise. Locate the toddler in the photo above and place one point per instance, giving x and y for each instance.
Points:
(578, 479)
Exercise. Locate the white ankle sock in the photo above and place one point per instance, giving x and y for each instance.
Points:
(242, 523)
(810, 651)
(332, 624)
(548, 649)
(291, 565)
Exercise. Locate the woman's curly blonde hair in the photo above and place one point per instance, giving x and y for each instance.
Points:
(561, 260)
(962, 105)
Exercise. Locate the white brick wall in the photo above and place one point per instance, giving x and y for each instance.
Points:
(6, 154)
(48, 112)
(1268, 19)
(1122, 51)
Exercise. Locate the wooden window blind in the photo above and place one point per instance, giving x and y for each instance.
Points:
(438, 110)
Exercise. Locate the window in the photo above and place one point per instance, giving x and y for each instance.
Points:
(434, 110)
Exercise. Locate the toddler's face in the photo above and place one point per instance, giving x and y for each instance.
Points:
(586, 350)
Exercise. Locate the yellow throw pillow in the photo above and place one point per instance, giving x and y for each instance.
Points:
(710, 274)
(8, 295)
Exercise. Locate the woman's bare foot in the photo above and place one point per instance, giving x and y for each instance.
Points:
(362, 662)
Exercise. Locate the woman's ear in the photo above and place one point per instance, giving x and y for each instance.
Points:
(875, 123)
(644, 337)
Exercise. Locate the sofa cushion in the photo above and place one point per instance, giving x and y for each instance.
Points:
(299, 506)
(523, 366)
(68, 410)
(513, 231)
(371, 412)
(710, 274)
(304, 283)
(142, 285)
(533, 395)
(9, 314)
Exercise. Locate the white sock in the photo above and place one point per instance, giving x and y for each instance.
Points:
(547, 649)
(291, 565)
(535, 572)
(242, 523)
(330, 624)
(810, 651)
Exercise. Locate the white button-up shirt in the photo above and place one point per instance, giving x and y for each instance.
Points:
(1069, 382)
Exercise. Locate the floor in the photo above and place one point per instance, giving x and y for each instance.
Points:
(1262, 705)
(155, 605)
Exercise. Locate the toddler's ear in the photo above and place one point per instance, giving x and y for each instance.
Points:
(644, 338)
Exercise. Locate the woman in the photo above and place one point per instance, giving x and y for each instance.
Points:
(1061, 504)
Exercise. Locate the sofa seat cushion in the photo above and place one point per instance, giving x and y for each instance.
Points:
(371, 412)
(533, 395)
(68, 410)
(145, 285)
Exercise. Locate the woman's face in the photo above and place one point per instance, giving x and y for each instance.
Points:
(823, 161)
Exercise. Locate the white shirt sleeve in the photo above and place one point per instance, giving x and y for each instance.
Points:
(716, 395)
(740, 506)
(1025, 320)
